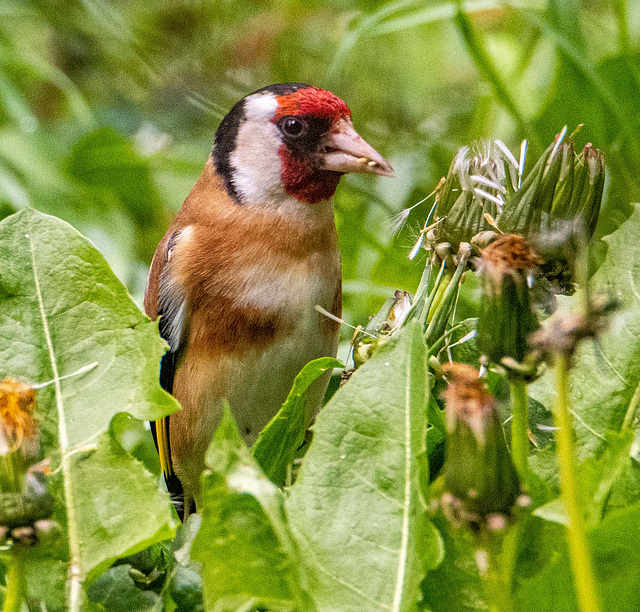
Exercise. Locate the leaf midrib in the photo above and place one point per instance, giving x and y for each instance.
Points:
(75, 572)
(404, 542)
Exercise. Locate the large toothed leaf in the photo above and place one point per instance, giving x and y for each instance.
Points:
(615, 551)
(65, 318)
(606, 374)
(356, 508)
(277, 443)
(249, 559)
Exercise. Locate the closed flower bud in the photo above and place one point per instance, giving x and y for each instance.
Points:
(506, 317)
(480, 478)
(485, 190)
(561, 187)
(522, 212)
(591, 197)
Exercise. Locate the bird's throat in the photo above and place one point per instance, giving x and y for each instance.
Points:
(302, 179)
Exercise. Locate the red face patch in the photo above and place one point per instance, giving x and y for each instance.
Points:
(301, 178)
(311, 101)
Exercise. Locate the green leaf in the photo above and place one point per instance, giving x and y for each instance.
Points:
(109, 524)
(606, 374)
(117, 592)
(455, 584)
(276, 446)
(598, 478)
(356, 508)
(615, 548)
(67, 320)
(247, 554)
(185, 585)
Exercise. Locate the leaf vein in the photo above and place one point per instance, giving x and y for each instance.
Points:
(404, 541)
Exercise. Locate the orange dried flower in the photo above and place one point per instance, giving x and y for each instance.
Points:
(17, 420)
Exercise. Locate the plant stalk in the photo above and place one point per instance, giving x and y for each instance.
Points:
(583, 576)
(498, 592)
(520, 430)
(436, 295)
(16, 589)
(439, 295)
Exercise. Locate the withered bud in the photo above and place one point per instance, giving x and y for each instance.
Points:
(506, 316)
(509, 254)
(466, 398)
(23, 495)
(480, 478)
(18, 426)
(563, 332)
(381, 326)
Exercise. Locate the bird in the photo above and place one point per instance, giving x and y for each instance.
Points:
(236, 280)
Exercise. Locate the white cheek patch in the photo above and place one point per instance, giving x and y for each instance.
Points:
(256, 162)
(260, 107)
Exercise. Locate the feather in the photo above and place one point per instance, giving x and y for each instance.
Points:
(170, 307)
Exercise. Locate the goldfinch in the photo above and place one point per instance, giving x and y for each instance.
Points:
(236, 278)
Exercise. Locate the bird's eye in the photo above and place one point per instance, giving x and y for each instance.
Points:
(293, 127)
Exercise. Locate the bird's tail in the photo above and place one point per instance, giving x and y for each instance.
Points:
(160, 431)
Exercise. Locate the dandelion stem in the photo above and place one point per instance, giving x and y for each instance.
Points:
(620, 9)
(497, 590)
(442, 283)
(520, 430)
(583, 576)
(510, 550)
(16, 589)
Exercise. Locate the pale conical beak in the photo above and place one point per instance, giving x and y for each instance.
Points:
(346, 151)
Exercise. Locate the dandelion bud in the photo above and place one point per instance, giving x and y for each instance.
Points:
(473, 192)
(480, 478)
(522, 212)
(591, 196)
(561, 187)
(561, 204)
(18, 433)
(506, 317)
(23, 495)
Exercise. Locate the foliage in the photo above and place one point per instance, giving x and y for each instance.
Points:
(107, 112)
(99, 354)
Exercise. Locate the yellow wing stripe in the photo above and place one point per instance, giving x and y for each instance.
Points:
(164, 450)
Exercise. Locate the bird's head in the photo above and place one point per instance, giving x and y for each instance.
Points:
(290, 140)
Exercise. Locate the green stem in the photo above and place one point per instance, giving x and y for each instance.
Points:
(583, 576)
(620, 9)
(435, 296)
(510, 550)
(16, 589)
(439, 296)
(630, 416)
(498, 592)
(520, 430)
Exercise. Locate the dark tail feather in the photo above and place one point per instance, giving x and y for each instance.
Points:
(174, 486)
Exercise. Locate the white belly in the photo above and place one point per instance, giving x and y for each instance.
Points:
(257, 382)
(263, 380)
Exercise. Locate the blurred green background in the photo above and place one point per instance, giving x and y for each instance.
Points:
(108, 109)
